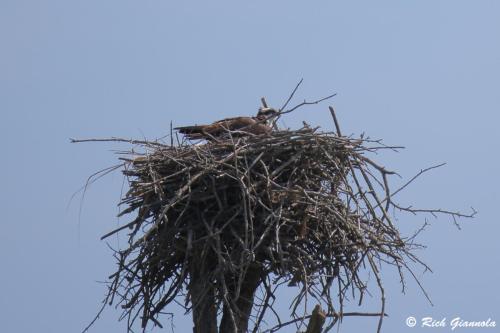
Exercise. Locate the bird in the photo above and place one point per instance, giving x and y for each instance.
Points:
(236, 126)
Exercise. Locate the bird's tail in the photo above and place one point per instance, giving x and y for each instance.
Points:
(190, 129)
(192, 132)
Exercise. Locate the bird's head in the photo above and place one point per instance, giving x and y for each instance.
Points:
(267, 113)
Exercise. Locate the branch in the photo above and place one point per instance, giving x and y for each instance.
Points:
(113, 139)
(291, 95)
(307, 103)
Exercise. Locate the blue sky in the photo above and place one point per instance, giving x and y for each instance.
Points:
(422, 74)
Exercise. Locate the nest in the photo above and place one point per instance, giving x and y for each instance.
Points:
(217, 222)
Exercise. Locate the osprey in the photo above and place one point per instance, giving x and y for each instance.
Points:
(236, 126)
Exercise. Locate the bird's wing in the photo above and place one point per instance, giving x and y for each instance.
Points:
(232, 124)
(228, 123)
(216, 129)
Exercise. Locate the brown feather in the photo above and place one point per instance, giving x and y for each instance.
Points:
(239, 125)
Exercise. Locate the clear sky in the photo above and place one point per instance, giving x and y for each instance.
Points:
(423, 74)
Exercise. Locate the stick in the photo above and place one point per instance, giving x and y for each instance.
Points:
(337, 126)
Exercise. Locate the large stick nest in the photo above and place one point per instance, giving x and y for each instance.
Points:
(300, 207)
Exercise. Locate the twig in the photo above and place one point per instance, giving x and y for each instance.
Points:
(291, 95)
(308, 103)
